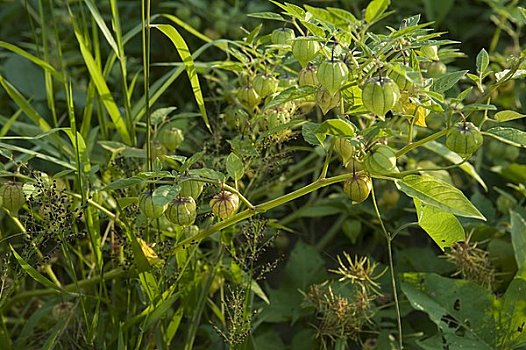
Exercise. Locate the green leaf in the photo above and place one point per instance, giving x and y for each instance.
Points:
(482, 61)
(188, 61)
(31, 271)
(234, 166)
(290, 94)
(455, 306)
(24, 105)
(518, 239)
(165, 194)
(102, 88)
(334, 127)
(448, 80)
(102, 25)
(123, 183)
(308, 130)
(160, 114)
(507, 135)
(267, 15)
(440, 194)
(375, 9)
(39, 62)
(513, 315)
(454, 158)
(504, 116)
(443, 227)
(208, 174)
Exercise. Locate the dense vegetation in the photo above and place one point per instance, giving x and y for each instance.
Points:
(262, 175)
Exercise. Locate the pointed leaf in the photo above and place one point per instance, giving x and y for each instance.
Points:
(504, 116)
(443, 227)
(510, 136)
(455, 306)
(518, 239)
(188, 61)
(440, 194)
(31, 271)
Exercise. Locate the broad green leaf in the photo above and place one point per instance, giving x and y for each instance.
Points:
(123, 183)
(31, 271)
(518, 239)
(454, 158)
(308, 130)
(208, 174)
(455, 306)
(375, 9)
(504, 116)
(234, 166)
(482, 61)
(102, 88)
(511, 136)
(443, 227)
(447, 81)
(334, 127)
(513, 315)
(188, 61)
(440, 194)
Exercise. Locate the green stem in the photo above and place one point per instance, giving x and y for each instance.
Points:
(419, 143)
(261, 208)
(73, 287)
(389, 239)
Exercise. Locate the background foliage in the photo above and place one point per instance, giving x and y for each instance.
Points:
(89, 103)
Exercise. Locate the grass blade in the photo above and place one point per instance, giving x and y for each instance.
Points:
(102, 88)
(188, 61)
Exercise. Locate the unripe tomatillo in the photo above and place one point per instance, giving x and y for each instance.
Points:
(224, 204)
(182, 211)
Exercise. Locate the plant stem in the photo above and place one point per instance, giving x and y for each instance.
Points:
(73, 287)
(391, 267)
(419, 143)
(247, 213)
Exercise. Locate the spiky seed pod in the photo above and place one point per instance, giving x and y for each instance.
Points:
(379, 95)
(326, 100)
(249, 97)
(345, 149)
(305, 50)
(381, 160)
(332, 75)
(170, 137)
(464, 139)
(282, 36)
(224, 204)
(307, 76)
(149, 207)
(265, 85)
(12, 196)
(358, 187)
(182, 211)
(191, 188)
